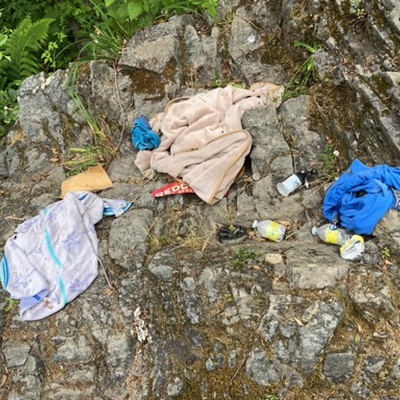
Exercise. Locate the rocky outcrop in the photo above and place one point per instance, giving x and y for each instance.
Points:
(173, 313)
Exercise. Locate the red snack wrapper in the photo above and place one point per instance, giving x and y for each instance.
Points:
(172, 188)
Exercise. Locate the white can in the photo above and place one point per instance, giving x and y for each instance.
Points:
(289, 185)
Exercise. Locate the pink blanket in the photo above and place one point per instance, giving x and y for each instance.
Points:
(202, 141)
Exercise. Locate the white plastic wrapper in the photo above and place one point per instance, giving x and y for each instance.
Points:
(353, 249)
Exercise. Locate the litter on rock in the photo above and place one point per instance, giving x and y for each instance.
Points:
(203, 142)
(91, 180)
(232, 234)
(172, 188)
(53, 257)
(331, 233)
(352, 245)
(362, 196)
(294, 181)
(270, 230)
(291, 183)
(143, 137)
(353, 249)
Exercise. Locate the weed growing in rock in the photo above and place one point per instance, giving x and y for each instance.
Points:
(158, 242)
(11, 303)
(80, 159)
(358, 14)
(194, 240)
(329, 168)
(385, 253)
(102, 150)
(229, 297)
(356, 8)
(9, 109)
(243, 256)
(298, 85)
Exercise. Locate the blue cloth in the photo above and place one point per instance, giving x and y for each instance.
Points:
(362, 196)
(143, 137)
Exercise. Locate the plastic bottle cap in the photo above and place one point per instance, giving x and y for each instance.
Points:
(282, 189)
(314, 230)
(255, 223)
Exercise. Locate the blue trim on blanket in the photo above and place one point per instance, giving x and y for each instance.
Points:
(83, 196)
(30, 302)
(110, 211)
(50, 245)
(63, 290)
(51, 250)
(5, 272)
(55, 258)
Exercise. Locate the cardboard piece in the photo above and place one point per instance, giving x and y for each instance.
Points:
(91, 180)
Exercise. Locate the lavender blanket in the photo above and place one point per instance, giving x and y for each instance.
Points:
(52, 258)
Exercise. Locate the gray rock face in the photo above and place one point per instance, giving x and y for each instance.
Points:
(306, 272)
(339, 367)
(174, 313)
(244, 37)
(128, 239)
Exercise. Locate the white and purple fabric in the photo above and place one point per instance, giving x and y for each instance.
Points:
(52, 258)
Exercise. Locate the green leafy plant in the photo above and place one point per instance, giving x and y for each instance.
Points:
(54, 48)
(106, 40)
(243, 256)
(9, 109)
(329, 168)
(358, 15)
(3, 40)
(19, 59)
(304, 74)
(229, 297)
(210, 6)
(102, 149)
(146, 12)
(356, 8)
(120, 20)
(11, 303)
(80, 159)
(385, 253)
(22, 50)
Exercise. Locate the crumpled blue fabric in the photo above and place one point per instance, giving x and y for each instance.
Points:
(143, 137)
(362, 196)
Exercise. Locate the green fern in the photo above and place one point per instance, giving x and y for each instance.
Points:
(22, 49)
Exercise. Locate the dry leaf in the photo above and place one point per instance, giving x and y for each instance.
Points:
(287, 224)
(298, 322)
